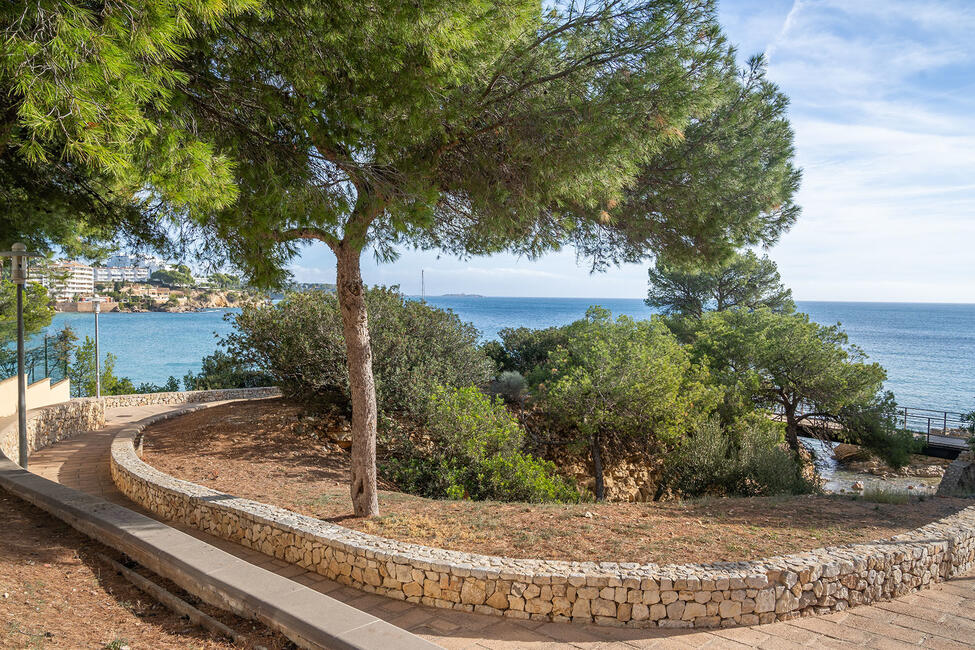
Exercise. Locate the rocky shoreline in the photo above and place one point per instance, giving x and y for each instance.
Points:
(855, 459)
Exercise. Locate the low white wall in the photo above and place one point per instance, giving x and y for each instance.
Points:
(40, 393)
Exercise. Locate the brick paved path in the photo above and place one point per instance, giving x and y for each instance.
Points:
(942, 617)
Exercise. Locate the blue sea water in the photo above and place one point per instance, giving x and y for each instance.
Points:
(927, 349)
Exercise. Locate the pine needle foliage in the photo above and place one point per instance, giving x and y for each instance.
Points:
(89, 143)
(480, 126)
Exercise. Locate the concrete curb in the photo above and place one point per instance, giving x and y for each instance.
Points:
(309, 618)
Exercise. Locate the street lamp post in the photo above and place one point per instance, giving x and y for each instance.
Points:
(18, 275)
(98, 374)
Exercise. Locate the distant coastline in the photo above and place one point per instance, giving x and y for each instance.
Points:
(460, 295)
(150, 298)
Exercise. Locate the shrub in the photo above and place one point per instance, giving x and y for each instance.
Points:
(511, 386)
(749, 459)
(298, 342)
(969, 425)
(874, 427)
(880, 494)
(523, 350)
(221, 370)
(472, 449)
(618, 382)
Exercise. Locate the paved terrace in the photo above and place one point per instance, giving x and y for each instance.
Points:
(941, 617)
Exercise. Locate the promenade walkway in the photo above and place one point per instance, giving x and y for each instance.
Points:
(942, 617)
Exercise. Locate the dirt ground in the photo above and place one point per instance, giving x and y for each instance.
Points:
(261, 451)
(55, 592)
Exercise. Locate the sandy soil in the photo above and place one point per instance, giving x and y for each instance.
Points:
(56, 593)
(262, 451)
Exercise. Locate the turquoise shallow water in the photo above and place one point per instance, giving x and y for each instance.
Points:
(928, 349)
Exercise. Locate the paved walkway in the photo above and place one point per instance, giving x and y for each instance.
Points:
(942, 617)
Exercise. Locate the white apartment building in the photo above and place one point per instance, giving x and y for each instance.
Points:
(125, 260)
(65, 279)
(122, 274)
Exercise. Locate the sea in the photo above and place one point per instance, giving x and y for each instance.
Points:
(927, 349)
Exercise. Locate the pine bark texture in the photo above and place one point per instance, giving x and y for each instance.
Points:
(355, 325)
(791, 427)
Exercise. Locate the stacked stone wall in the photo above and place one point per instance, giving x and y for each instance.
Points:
(189, 396)
(49, 424)
(630, 594)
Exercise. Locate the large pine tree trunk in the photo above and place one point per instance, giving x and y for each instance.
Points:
(791, 427)
(355, 325)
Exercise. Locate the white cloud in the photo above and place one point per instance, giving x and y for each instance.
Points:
(887, 145)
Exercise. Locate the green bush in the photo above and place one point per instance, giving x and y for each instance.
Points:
(969, 425)
(472, 448)
(298, 342)
(511, 386)
(523, 350)
(620, 383)
(221, 370)
(873, 426)
(748, 459)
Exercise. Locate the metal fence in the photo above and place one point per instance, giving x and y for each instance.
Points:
(931, 421)
(919, 420)
(50, 359)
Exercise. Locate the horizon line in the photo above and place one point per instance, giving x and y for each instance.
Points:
(798, 300)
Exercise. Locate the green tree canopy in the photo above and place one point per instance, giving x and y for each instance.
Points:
(614, 380)
(743, 281)
(82, 373)
(37, 310)
(90, 146)
(180, 276)
(477, 127)
(809, 371)
(226, 281)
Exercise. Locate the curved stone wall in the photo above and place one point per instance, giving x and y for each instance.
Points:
(639, 595)
(188, 396)
(49, 424)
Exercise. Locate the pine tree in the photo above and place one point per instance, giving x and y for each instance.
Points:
(483, 126)
(90, 145)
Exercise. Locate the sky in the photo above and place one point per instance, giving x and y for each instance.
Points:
(883, 106)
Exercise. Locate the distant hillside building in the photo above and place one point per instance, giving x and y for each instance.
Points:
(127, 260)
(122, 274)
(65, 279)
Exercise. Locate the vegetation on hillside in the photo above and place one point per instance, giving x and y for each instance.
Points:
(625, 129)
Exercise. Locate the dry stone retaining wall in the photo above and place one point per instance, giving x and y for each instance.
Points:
(188, 396)
(49, 424)
(631, 594)
(959, 478)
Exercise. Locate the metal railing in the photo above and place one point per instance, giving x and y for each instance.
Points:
(46, 360)
(924, 421)
(932, 421)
